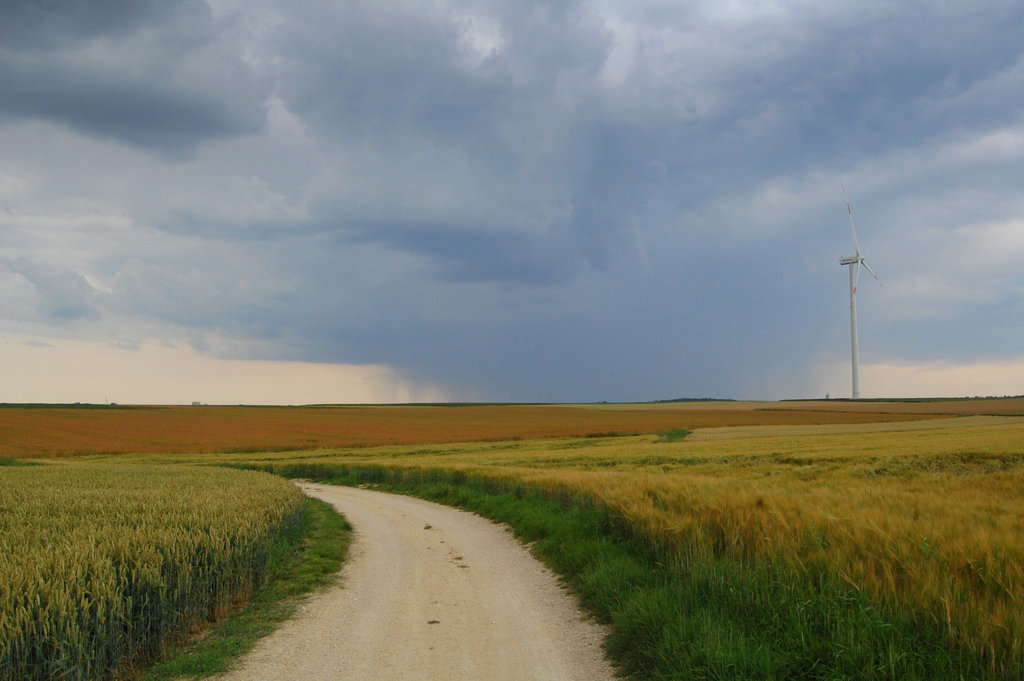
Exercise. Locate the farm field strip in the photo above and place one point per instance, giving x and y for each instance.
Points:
(862, 449)
(69, 431)
(735, 432)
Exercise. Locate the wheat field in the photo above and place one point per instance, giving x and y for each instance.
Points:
(103, 566)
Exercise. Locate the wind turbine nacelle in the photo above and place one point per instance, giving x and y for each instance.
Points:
(850, 260)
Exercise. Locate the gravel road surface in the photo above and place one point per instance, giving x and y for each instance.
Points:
(430, 592)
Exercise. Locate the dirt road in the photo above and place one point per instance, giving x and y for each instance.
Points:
(430, 592)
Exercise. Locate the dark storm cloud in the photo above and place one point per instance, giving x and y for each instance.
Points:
(54, 293)
(482, 255)
(797, 84)
(544, 200)
(160, 75)
(377, 71)
(706, 109)
(398, 85)
(375, 68)
(42, 25)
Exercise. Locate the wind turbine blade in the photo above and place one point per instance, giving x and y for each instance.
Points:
(868, 268)
(853, 293)
(849, 211)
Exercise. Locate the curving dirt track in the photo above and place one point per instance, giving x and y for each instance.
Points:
(431, 592)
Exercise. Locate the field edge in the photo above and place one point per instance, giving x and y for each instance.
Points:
(310, 563)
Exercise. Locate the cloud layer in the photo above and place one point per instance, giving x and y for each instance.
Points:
(525, 201)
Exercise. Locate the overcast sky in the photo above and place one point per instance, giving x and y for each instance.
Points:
(348, 200)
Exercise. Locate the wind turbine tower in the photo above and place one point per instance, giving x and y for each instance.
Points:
(854, 262)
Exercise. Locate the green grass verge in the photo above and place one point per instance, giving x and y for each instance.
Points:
(675, 435)
(301, 563)
(671, 620)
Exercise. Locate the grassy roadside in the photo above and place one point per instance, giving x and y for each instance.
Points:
(720, 619)
(302, 564)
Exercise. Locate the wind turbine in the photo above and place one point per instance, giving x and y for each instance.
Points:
(854, 262)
